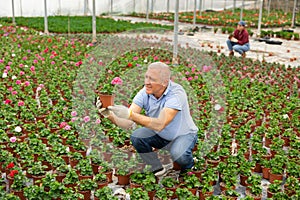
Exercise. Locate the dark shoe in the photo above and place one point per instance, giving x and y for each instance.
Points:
(182, 173)
(231, 53)
(244, 55)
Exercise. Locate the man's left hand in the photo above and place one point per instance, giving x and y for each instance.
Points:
(120, 111)
(234, 40)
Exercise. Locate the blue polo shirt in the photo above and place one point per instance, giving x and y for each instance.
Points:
(174, 97)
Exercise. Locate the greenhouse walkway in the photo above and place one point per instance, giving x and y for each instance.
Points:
(288, 53)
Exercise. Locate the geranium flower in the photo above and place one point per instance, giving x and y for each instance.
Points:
(7, 67)
(4, 75)
(22, 73)
(86, 119)
(206, 68)
(18, 82)
(74, 113)
(27, 83)
(13, 139)
(98, 121)
(13, 172)
(7, 101)
(74, 119)
(135, 58)
(14, 92)
(13, 77)
(18, 129)
(32, 68)
(10, 165)
(129, 64)
(67, 127)
(21, 103)
(117, 81)
(63, 124)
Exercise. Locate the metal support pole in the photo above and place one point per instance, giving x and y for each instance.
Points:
(194, 19)
(234, 5)
(152, 6)
(168, 6)
(260, 16)
(45, 18)
(242, 9)
(269, 6)
(294, 13)
(175, 45)
(111, 6)
(94, 23)
(13, 12)
(147, 11)
(200, 7)
(225, 4)
(133, 5)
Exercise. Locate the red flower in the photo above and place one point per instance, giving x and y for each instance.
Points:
(13, 172)
(10, 165)
(129, 64)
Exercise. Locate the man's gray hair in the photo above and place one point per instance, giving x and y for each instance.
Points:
(164, 69)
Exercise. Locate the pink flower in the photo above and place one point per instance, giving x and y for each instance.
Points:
(63, 124)
(24, 58)
(7, 67)
(190, 173)
(109, 71)
(74, 113)
(9, 63)
(190, 78)
(21, 65)
(22, 73)
(10, 89)
(73, 119)
(206, 68)
(117, 81)
(13, 139)
(27, 83)
(67, 127)
(14, 92)
(1, 61)
(32, 68)
(35, 61)
(98, 121)
(193, 69)
(38, 88)
(86, 119)
(7, 101)
(18, 82)
(52, 62)
(42, 85)
(195, 77)
(135, 58)
(155, 57)
(21, 103)
(245, 67)
(187, 73)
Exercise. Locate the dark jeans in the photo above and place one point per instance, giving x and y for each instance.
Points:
(144, 139)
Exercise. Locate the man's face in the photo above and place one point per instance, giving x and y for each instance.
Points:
(153, 82)
(240, 27)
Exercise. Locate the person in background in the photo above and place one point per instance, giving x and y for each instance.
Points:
(239, 40)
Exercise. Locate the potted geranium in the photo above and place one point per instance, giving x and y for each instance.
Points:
(85, 186)
(19, 184)
(137, 194)
(106, 92)
(105, 193)
(101, 180)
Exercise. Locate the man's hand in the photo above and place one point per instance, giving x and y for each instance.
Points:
(120, 111)
(103, 111)
(233, 40)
